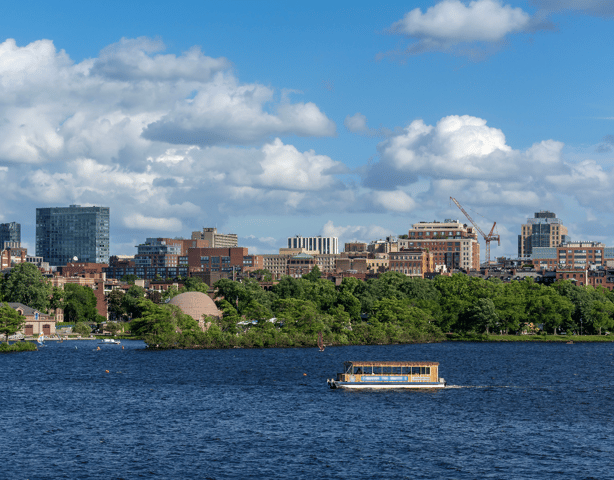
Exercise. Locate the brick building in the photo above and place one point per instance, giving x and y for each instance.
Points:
(226, 260)
(413, 262)
(451, 243)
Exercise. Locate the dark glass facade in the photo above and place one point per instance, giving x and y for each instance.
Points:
(9, 232)
(63, 233)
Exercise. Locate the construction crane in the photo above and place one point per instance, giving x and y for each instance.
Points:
(487, 238)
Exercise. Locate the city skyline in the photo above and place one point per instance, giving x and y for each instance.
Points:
(350, 120)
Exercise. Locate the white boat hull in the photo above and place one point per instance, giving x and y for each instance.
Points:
(368, 385)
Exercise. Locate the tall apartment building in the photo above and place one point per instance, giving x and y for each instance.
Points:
(63, 233)
(322, 245)
(216, 240)
(10, 232)
(544, 230)
(450, 243)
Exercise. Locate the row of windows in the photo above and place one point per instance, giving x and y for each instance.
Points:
(392, 370)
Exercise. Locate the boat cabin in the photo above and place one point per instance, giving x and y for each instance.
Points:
(389, 372)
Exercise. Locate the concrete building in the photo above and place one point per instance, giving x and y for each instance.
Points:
(11, 233)
(276, 264)
(544, 230)
(319, 244)
(216, 240)
(63, 233)
(451, 243)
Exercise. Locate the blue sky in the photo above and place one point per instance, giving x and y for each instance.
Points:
(272, 119)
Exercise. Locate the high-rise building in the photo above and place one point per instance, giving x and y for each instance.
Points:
(450, 243)
(10, 232)
(216, 240)
(318, 244)
(544, 230)
(63, 233)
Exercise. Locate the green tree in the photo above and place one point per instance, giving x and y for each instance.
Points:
(56, 301)
(314, 275)
(82, 328)
(264, 274)
(194, 284)
(10, 320)
(113, 327)
(115, 303)
(129, 278)
(350, 304)
(301, 315)
(482, 316)
(133, 301)
(601, 314)
(162, 320)
(26, 284)
(79, 303)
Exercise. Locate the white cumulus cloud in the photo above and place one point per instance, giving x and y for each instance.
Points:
(452, 22)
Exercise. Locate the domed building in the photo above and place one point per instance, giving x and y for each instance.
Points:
(198, 306)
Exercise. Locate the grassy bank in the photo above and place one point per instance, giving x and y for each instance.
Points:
(17, 347)
(469, 337)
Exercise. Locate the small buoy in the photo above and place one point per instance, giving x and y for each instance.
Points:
(122, 347)
(304, 374)
(98, 348)
(106, 371)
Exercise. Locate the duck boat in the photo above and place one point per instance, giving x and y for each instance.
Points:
(388, 375)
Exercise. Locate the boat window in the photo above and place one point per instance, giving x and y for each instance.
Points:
(406, 370)
(396, 370)
(367, 370)
(357, 370)
(387, 370)
(421, 370)
(377, 370)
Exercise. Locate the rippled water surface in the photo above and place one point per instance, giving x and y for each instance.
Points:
(518, 410)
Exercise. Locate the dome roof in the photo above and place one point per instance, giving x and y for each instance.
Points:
(196, 304)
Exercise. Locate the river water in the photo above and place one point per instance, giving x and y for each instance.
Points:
(515, 410)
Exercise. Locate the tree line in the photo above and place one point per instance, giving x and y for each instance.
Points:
(393, 308)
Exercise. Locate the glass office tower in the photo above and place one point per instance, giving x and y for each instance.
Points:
(10, 232)
(63, 233)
